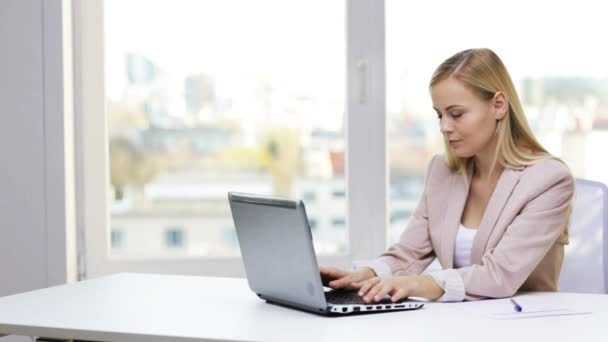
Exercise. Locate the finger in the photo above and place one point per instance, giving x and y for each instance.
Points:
(399, 295)
(329, 274)
(384, 290)
(357, 285)
(333, 272)
(367, 285)
(325, 277)
(340, 283)
(325, 270)
(371, 294)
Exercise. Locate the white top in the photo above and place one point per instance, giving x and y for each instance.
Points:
(160, 308)
(463, 245)
(449, 280)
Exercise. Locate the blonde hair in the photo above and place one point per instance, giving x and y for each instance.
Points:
(484, 73)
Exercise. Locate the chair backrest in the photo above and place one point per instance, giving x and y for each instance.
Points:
(585, 268)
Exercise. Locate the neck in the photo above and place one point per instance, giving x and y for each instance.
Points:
(483, 171)
(483, 164)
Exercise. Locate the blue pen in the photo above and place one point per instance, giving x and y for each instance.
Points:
(516, 306)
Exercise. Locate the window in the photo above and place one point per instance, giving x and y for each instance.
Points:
(117, 238)
(174, 238)
(189, 117)
(312, 222)
(400, 215)
(338, 194)
(309, 196)
(338, 222)
(230, 237)
(559, 72)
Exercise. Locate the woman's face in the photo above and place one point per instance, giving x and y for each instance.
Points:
(467, 122)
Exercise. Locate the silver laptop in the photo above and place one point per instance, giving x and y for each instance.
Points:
(280, 262)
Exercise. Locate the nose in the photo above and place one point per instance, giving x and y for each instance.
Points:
(446, 125)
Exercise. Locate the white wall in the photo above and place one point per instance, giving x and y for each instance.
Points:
(22, 197)
(36, 196)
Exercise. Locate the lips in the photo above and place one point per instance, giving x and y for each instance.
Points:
(454, 142)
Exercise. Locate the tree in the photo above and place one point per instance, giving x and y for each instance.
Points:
(130, 165)
(281, 156)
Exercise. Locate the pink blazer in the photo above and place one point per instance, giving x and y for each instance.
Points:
(520, 241)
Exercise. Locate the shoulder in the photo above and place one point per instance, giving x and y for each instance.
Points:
(438, 167)
(545, 174)
(548, 169)
(438, 174)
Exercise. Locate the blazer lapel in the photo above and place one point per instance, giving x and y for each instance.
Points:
(498, 200)
(456, 199)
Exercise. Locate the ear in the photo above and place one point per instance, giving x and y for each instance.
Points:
(500, 104)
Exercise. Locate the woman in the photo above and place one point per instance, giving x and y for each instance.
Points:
(494, 210)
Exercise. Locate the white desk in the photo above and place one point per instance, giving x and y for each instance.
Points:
(146, 307)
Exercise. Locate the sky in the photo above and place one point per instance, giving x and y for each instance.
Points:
(302, 43)
(292, 40)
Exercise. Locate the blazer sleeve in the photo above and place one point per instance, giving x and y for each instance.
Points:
(527, 239)
(414, 251)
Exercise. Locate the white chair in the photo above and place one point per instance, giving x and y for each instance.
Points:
(585, 268)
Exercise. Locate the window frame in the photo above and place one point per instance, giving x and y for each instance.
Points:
(366, 154)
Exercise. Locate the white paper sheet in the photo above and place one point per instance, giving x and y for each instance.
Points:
(532, 307)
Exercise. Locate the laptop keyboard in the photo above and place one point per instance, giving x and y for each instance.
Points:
(338, 297)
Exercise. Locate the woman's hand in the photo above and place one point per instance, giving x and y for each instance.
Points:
(401, 287)
(337, 278)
